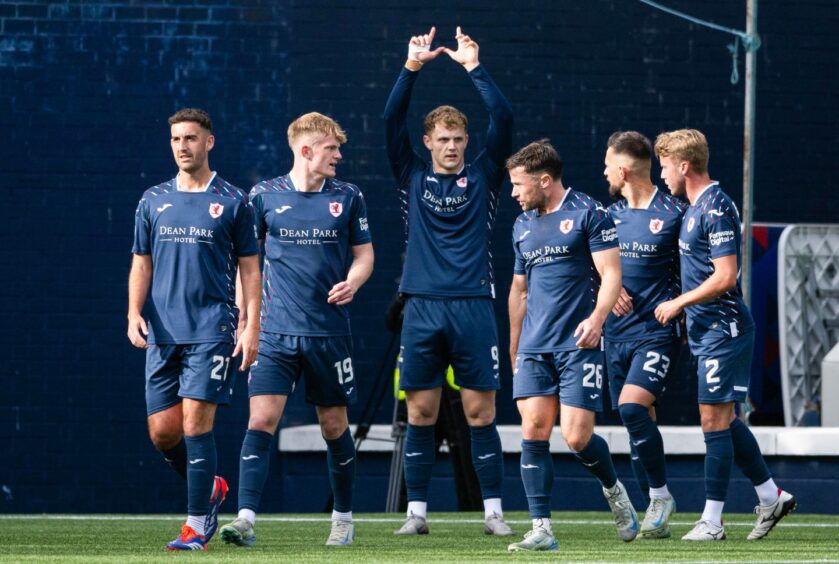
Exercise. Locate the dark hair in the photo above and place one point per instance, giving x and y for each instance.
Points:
(196, 115)
(631, 143)
(539, 156)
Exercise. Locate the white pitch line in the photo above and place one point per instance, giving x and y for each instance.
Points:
(326, 519)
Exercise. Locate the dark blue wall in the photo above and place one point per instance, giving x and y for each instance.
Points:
(85, 89)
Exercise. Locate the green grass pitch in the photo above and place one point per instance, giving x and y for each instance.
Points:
(455, 537)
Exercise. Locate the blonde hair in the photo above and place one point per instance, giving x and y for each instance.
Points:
(684, 145)
(447, 116)
(316, 123)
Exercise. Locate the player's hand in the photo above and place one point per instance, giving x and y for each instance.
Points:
(589, 331)
(248, 345)
(138, 331)
(667, 311)
(624, 304)
(341, 293)
(467, 51)
(419, 47)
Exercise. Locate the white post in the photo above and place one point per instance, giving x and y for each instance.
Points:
(748, 149)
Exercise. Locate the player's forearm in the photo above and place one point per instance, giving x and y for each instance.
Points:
(139, 282)
(251, 289)
(517, 306)
(361, 269)
(500, 130)
(715, 286)
(397, 138)
(607, 296)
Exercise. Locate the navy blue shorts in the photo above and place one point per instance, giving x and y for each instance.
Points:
(646, 363)
(460, 332)
(324, 362)
(576, 376)
(200, 371)
(724, 366)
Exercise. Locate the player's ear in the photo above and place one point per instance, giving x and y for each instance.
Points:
(684, 166)
(466, 136)
(211, 142)
(426, 140)
(545, 181)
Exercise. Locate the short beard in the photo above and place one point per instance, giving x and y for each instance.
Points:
(615, 192)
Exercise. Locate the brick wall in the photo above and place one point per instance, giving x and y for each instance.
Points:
(85, 89)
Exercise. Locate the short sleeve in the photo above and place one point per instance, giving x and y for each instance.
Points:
(142, 229)
(519, 265)
(244, 231)
(722, 228)
(260, 227)
(601, 231)
(359, 228)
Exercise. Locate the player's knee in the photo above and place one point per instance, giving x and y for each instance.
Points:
(164, 439)
(422, 414)
(530, 432)
(331, 428)
(262, 422)
(480, 415)
(577, 439)
(633, 414)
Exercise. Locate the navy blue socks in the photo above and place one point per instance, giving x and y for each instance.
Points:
(176, 458)
(488, 459)
(537, 475)
(200, 472)
(419, 460)
(596, 457)
(645, 439)
(719, 452)
(340, 459)
(253, 468)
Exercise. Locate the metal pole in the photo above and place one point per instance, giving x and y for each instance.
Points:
(748, 149)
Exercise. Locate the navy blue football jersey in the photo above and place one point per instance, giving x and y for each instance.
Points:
(649, 243)
(554, 252)
(710, 230)
(449, 217)
(194, 239)
(308, 249)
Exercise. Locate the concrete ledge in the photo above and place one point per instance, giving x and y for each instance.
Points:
(773, 441)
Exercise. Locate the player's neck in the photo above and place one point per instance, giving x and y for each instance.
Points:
(304, 181)
(195, 181)
(638, 194)
(555, 198)
(695, 184)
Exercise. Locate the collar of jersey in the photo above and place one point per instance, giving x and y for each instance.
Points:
(294, 187)
(557, 208)
(207, 187)
(702, 193)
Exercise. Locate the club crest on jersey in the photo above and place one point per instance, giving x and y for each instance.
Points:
(656, 225)
(461, 182)
(566, 225)
(335, 208)
(691, 223)
(216, 210)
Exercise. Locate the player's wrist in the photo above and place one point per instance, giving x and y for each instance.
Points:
(413, 65)
(472, 65)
